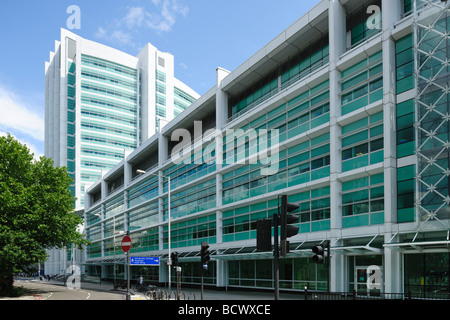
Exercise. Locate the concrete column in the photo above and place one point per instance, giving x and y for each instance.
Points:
(338, 34)
(221, 99)
(392, 271)
(218, 205)
(221, 120)
(127, 169)
(337, 43)
(389, 114)
(222, 273)
(391, 10)
(163, 149)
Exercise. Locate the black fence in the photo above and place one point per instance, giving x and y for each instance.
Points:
(319, 295)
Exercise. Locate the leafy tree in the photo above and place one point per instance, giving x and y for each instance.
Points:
(36, 209)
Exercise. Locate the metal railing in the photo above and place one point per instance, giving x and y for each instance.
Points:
(159, 294)
(354, 295)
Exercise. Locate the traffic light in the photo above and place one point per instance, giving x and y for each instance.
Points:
(287, 229)
(204, 252)
(174, 258)
(319, 254)
(264, 235)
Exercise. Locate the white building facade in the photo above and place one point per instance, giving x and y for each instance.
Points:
(350, 106)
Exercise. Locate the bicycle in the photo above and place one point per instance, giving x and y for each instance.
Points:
(150, 294)
(143, 287)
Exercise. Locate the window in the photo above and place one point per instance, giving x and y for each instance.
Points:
(160, 76)
(161, 62)
(314, 209)
(362, 83)
(404, 56)
(405, 128)
(405, 193)
(376, 145)
(364, 24)
(363, 196)
(362, 142)
(407, 7)
(319, 163)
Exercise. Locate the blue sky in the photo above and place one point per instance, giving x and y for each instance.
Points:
(201, 34)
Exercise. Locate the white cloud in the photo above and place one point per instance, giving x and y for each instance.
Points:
(135, 17)
(119, 36)
(166, 18)
(161, 18)
(18, 115)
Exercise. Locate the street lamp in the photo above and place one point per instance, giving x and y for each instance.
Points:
(168, 220)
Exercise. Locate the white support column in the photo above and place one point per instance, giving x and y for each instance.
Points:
(218, 205)
(163, 155)
(337, 44)
(221, 99)
(163, 149)
(391, 10)
(221, 120)
(161, 214)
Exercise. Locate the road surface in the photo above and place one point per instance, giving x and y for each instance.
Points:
(35, 290)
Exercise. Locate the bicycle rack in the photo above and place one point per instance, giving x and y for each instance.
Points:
(166, 295)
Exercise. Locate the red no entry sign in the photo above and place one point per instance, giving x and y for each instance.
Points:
(126, 244)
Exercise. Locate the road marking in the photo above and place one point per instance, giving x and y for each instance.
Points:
(88, 294)
(51, 293)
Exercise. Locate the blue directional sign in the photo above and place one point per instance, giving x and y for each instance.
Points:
(144, 261)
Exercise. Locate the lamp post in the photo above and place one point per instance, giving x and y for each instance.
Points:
(168, 214)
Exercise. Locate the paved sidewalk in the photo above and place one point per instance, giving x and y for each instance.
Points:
(187, 293)
(195, 294)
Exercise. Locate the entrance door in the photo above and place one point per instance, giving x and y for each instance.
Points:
(361, 281)
(362, 273)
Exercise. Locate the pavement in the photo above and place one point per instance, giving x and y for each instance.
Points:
(186, 293)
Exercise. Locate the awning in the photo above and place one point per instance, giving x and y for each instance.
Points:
(358, 249)
(250, 252)
(420, 247)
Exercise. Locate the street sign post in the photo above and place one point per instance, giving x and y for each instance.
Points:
(144, 261)
(126, 246)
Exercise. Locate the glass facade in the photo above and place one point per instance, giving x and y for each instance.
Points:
(108, 115)
(362, 83)
(427, 273)
(351, 169)
(295, 274)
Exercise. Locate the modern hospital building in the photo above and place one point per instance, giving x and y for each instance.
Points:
(347, 112)
(100, 104)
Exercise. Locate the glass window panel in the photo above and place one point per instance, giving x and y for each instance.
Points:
(376, 145)
(362, 149)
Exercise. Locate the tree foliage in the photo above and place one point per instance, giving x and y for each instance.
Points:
(36, 208)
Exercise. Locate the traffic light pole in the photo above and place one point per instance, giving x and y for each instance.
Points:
(201, 289)
(328, 266)
(178, 282)
(276, 257)
(204, 253)
(128, 275)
